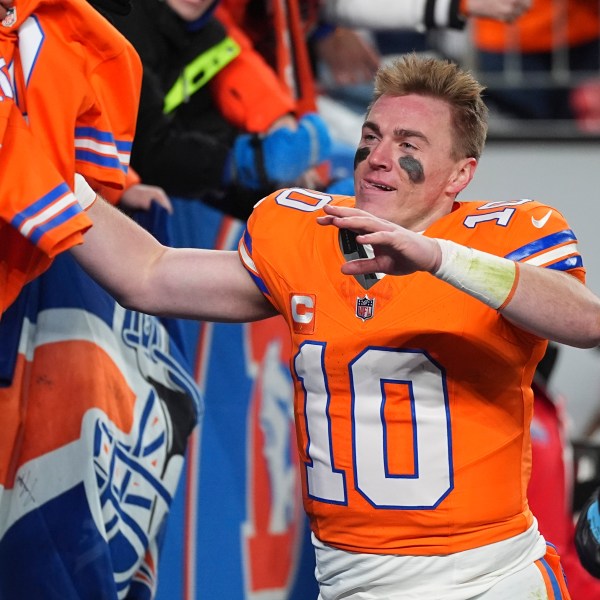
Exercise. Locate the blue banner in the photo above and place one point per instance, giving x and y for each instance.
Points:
(237, 529)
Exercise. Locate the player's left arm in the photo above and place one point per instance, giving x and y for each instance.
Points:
(546, 302)
(554, 305)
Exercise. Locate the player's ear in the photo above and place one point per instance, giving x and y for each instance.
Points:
(462, 175)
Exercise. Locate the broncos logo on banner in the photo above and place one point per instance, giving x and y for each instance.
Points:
(245, 534)
(98, 407)
(273, 528)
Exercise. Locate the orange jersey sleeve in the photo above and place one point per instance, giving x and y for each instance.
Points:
(39, 215)
(91, 77)
(75, 81)
(412, 399)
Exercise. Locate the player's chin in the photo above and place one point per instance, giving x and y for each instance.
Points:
(375, 205)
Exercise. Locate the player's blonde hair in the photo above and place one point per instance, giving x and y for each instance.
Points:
(442, 79)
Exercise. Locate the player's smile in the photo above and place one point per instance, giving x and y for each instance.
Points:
(378, 185)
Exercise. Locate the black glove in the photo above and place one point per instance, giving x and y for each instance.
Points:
(587, 535)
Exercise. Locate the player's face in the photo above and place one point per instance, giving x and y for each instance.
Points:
(190, 10)
(404, 171)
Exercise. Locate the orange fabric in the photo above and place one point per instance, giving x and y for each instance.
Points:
(283, 42)
(403, 443)
(39, 215)
(113, 195)
(535, 31)
(553, 575)
(289, 22)
(81, 111)
(293, 61)
(247, 90)
(29, 433)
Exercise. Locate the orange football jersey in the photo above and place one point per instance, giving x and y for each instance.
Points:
(75, 81)
(412, 399)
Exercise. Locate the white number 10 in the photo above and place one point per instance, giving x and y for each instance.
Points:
(370, 373)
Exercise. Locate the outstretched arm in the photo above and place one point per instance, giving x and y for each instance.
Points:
(548, 303)
(143, 274)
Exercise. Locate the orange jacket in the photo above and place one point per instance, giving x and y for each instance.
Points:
(547, 24)
(247, 90)
(281, 38)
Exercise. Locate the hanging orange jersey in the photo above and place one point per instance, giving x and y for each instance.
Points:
(412, 399)
(76, 81)
(546, 25)
(39, 215)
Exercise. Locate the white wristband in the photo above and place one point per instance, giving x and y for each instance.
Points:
(83, 192)
(489, 278)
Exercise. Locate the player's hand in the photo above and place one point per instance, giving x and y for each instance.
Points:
(141, 196)
(587, 535)
(398, 251)
(501, 10)
(4, 6)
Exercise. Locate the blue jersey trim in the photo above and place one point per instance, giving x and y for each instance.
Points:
(56, 221)
(100, 160)
(549, 241)
(39, 205)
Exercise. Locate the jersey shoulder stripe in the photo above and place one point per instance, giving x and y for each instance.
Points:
(524, 230)
(245, 253)
(557, 251)
(540, 245)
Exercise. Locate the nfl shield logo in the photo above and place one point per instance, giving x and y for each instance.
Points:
(364, 307)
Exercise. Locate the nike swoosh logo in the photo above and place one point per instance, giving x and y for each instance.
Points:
(539, 223)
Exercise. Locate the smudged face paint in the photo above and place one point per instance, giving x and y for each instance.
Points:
(409, 175)
(361, 154)
(413, 168)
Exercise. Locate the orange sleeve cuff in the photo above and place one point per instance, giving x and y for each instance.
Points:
(112, 194)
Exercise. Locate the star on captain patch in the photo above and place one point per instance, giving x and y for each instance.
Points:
(365, 307)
